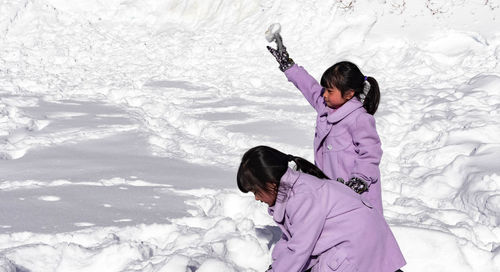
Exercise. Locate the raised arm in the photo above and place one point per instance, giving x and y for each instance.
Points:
(308, 86)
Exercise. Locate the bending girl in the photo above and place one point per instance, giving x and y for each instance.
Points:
(325, 225)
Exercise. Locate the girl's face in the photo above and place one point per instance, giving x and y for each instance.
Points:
(267, 196)
(334, 99)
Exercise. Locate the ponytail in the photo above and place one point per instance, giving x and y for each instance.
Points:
(305, 166)
(372, 97)
(262, 165)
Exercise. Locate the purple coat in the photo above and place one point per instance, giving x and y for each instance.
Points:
(346, 143)
(329, 227)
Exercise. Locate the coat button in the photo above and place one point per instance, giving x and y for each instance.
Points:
(329, 147)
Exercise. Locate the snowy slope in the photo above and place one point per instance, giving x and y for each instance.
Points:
(122, 124)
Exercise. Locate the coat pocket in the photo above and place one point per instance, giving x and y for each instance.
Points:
(336, 260)
(366, 202)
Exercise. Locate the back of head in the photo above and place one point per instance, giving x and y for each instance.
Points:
(262, 164)
(346, 76)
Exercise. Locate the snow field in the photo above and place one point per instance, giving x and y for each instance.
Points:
(196, 80)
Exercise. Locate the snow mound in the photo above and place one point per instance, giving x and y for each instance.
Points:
(197, 81)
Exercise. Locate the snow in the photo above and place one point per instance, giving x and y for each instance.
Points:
(122, 124)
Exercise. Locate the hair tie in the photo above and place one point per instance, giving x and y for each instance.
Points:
(366, 88)
(290, 157)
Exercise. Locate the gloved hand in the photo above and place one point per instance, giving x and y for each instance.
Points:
(281, 54)
(356, 184)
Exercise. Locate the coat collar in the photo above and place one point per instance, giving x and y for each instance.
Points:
(349, 106)
(286, 183)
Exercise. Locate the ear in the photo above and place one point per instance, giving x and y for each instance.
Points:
(349, 94)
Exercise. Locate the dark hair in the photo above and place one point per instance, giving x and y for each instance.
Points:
(261, 165)
(346, 76)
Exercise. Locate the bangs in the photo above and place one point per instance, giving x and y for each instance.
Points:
(246, 181)
(332, 78)
(327, 83)
(337, 76)
(260, 166)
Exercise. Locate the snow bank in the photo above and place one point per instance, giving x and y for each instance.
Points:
(197, 78)
(447, 160)
(21, 132)
(15, 126)
(227, 232)
(199, 42)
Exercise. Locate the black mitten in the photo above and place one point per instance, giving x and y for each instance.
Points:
(356, 184)
(281, 54)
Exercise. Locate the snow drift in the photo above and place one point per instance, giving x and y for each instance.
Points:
(194, 80)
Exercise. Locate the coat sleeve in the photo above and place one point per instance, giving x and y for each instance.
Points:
(306, 221)
(310, 88)
(279, 247)
(368, 147)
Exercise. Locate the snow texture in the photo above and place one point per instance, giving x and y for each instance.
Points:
(122, 124)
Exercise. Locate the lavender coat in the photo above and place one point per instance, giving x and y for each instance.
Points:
(346, 143)
(329, 227)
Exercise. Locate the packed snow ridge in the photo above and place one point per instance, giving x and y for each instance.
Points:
(122, 124)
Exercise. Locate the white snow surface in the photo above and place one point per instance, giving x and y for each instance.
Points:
(122, 124)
